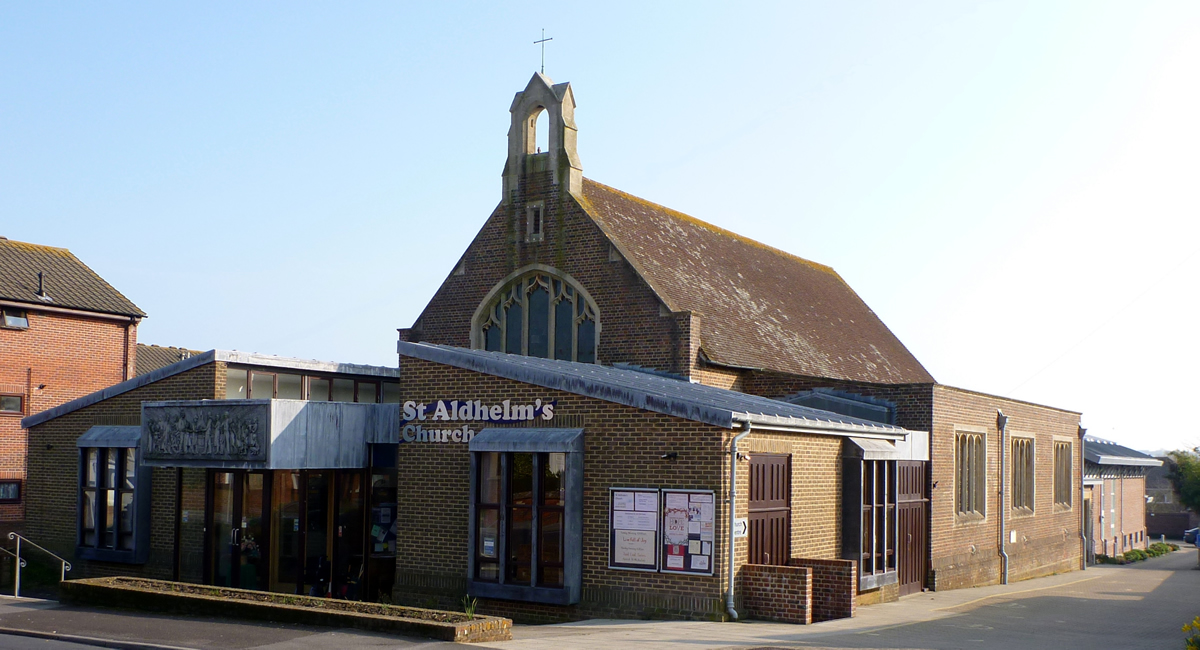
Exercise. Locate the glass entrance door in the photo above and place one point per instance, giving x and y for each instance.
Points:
(238, 541)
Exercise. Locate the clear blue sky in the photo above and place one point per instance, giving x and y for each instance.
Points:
(1011, 186)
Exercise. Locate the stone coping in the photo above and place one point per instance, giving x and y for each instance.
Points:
(205, 600)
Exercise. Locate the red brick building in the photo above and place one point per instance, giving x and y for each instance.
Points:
(65, 333)
(567, 268)
(1114, 488)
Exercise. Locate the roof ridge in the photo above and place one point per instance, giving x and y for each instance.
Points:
(716, 229)
(35, 245)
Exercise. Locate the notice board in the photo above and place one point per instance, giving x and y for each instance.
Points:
(688, 518)
(633, 533)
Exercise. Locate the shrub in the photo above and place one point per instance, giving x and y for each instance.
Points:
(1193, 639)
(1135, 555)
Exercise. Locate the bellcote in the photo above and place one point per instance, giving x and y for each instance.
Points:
(562, 160)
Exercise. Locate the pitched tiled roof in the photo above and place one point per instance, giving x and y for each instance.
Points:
(69, 283)
(759, 307)
(153, 357)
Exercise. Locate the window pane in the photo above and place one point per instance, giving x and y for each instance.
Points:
(521, 485)
(262, 385)
(110, 473)
(512, 328)
(489, 477)
(10, 403)
(491, 339)
(488, 536)
(551, 537)
(539, 322)
(564, 325)
(235, 383)
(89, 516)
(368, 392)
(92, 467)
(553, 490)
(391, 393)
(110, 521)
(127, 481)
(343, 390)
(126, 512)
(289, 386)
(520, 544)
(488, 571)
(587, 342)
(318, 389)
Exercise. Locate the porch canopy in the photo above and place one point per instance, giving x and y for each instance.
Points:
(264, 434)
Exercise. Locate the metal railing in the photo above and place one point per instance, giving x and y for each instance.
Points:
(66, 566)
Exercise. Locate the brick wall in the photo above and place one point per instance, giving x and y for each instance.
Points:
(834, 587)
(634, 325)
(1119, 514)
(777, 593)
(52, 501)
(70, 356)
(966, 552)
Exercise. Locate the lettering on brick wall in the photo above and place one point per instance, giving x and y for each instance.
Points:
(227, 432)
(476, 411)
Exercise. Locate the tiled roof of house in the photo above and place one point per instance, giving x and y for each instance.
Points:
(153, 357)
(759, 307)
(68, 282)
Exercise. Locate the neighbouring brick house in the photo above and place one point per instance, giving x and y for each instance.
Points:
(1114, 487)
(64, 332)
(567, 268)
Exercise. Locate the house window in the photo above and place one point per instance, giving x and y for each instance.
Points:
(114, 505)
(1062, 474)
(527, 515)
(540, 315)
(1022, 474)
(12, 404)
(969, 469)
(10, 491)
(15, 318)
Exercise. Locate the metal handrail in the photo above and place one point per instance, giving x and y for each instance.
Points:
(66, 566)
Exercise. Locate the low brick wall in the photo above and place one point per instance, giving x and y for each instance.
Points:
(777, 593)
(834, 587)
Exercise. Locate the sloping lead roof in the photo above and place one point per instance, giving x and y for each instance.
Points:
(68, 281)
(1103, 452)
(759, 306)
(228, 356)
(696, 402)
(153, 357)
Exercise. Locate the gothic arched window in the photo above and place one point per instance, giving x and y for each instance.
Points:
(539, 314)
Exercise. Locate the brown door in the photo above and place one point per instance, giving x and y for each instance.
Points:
(912, 504)
(770, 508)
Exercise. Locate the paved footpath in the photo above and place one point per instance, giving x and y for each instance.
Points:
(1128, 607)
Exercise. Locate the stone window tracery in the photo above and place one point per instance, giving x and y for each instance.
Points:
(540, 315)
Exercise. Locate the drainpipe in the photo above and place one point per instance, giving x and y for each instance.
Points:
(1001, 423)
(733, 458)
(1083, 540)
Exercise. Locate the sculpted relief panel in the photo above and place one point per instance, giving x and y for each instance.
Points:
(220, 432)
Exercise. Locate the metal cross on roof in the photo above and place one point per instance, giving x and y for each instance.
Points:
(543, 42)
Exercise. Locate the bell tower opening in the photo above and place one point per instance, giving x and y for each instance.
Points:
(543, 125)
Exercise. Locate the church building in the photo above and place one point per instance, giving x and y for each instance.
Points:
(608, 409)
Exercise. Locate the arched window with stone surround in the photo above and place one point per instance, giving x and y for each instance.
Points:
(538, 312)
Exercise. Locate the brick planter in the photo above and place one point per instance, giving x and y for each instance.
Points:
(201, 600)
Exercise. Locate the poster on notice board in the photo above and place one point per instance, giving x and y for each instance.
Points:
(688, 519)
(633, 529)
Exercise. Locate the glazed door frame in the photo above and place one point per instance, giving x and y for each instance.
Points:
(239, 545)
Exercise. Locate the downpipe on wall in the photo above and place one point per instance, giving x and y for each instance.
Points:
(733, 460)
(1083, 538)
(1001, 425)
